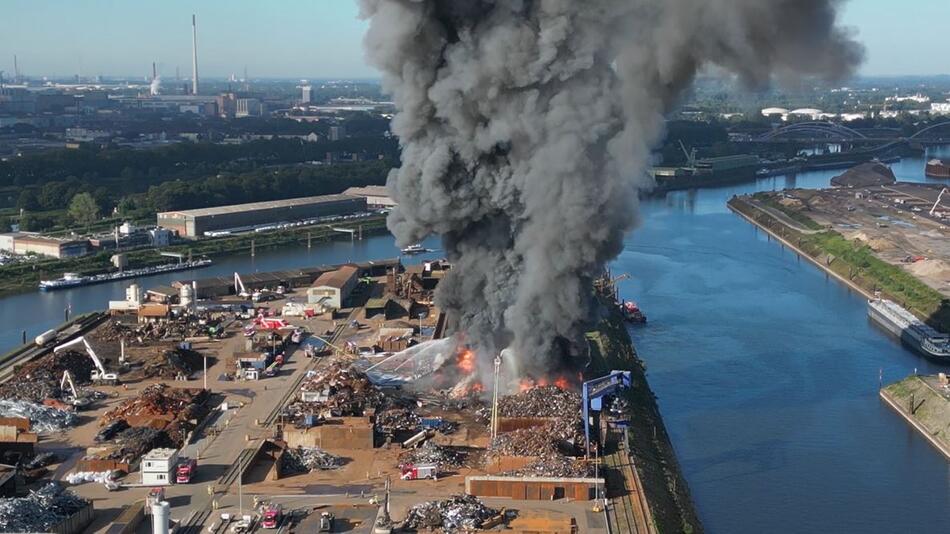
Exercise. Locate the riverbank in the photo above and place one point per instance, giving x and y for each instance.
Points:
(851, 262)
(654, 459)
(24, 277)
(924, 403)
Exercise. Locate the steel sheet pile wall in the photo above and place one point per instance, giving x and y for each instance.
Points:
(533, 488)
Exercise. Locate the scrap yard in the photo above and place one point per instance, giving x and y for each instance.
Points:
(326, 399)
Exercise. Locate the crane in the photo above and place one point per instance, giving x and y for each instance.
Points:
(690, 155)
(98, 374)
(239, 287)
(937, 203)
(75, 400)
(593, 392)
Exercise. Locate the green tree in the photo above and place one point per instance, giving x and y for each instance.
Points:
(28, 200)
(83, 209)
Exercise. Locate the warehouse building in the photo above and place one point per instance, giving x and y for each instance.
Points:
(332, 289)
(194, 223)
(377, 196)
(29, 243)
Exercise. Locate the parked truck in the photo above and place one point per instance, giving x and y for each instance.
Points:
(416, 472)
(271, 518)
(187, 467)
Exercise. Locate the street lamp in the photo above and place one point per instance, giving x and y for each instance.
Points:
(422, 315)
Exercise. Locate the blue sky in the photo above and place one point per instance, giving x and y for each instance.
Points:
(322, 38)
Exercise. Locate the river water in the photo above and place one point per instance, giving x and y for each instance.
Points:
(766, 369)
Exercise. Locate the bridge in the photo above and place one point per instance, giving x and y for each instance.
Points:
(829, 131)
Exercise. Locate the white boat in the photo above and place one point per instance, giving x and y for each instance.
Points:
(414, 249)
(911, 330)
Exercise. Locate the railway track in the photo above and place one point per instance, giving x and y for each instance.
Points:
(238, 466)
(628, 511)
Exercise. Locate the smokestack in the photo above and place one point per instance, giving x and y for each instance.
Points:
(154, 71)
(194, 55)
(527, 127)
(16, 70)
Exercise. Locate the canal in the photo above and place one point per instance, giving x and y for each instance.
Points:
(767, 374)
(766, 370)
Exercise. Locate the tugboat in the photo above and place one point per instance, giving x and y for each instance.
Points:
(632, 313)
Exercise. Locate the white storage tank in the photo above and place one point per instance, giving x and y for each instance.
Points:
(161, 512)
(186, 296)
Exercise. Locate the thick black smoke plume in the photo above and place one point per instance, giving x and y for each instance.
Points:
(526, 127)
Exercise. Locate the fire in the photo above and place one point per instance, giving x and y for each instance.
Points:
(466, 361)
(561, 382)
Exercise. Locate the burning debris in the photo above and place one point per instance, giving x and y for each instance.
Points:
(521, 123)
(40, 510)
(461, 512)
(42, 418)
(430, 453)
(307, 459)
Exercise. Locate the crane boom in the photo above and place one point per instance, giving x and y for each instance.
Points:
(937, 203)
(239, 286)
(100, 372)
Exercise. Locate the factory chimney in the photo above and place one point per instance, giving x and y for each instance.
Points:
(154, 71)
(194, 55)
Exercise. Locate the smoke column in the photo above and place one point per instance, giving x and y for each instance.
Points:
(526, 127)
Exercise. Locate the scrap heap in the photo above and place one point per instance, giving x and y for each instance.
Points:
(553, 442)
(348, 393)
(307, 459)
(159, 417)
(39, 511)
(430, 453)
(458, 513)
(39, 380)
(42, 418)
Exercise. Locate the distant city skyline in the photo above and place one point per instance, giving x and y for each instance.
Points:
(323, 38)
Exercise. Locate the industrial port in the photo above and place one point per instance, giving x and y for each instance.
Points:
(324, 399)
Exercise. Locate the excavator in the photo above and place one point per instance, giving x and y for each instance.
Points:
(76, 401)
(98, 374)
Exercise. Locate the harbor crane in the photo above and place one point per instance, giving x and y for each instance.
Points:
(593, 394)
(937, 203)
(98, 374)
(690, 155)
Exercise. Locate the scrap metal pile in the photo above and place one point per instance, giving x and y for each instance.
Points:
(160, 416)
(553, 465)
(39, 511)
(307, 459)
(42, 418)
(458, 513)
(39, 380)
(430, 453)
(349, 393)
(143, 334)
(541, 401)
(173, 363)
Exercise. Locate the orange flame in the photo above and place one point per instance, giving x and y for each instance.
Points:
(466, 361)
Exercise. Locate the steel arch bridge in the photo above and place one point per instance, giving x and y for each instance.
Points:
(813, 130)
(932, 128)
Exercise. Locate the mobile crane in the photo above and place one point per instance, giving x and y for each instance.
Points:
(98, 374)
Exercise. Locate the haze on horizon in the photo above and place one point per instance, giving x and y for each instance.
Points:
(322, 39)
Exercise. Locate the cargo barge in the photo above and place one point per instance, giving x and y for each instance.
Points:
(911, 330)
(74, 280)
(937, 168)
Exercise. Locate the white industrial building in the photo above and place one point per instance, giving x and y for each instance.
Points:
(377, 196)
(158, 467)
(331, 289)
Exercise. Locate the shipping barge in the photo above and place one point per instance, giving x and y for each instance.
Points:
(911, 330)
(937, 168)
(74, 280)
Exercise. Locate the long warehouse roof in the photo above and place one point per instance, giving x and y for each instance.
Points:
(253, 206)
